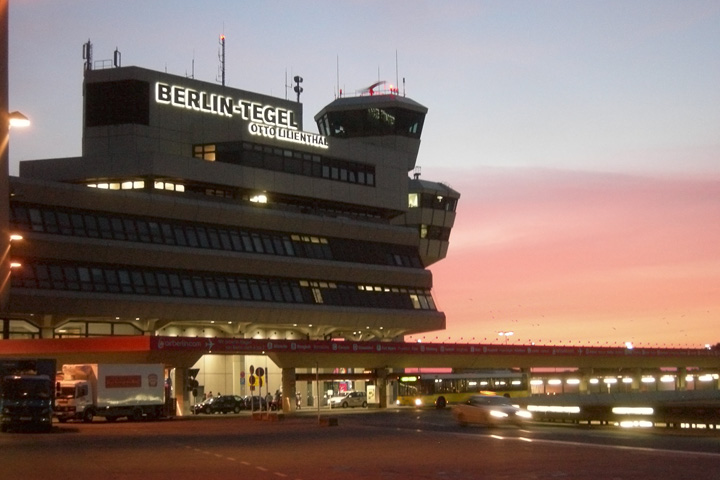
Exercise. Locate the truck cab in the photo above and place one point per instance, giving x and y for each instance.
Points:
(74, 401)
(26, 394)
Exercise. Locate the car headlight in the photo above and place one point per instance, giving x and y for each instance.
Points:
(524, 414)
(418, 402)
(498, 414)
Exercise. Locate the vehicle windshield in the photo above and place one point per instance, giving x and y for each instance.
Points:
(18, 388)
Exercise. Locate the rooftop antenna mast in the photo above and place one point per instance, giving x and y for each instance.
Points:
(397, 76)
(117, 58)
(221, 57)
(87, 55)
(298, 89)
(338, 92)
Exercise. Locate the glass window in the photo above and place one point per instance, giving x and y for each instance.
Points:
(64, 223)
(187, 287)
(150, 283)
(51, 225)
(202, 237)
(71, 278)
(155, 232)
(180, 235)
(143, 231)
(116, 225)
(91, 225)
(138, 282)
(255, 290)
(163, 284)
(98, 279)
(130, 230)
(176, 285)
(125, 282)
(112, 280)
(168, 233)
(78, 225)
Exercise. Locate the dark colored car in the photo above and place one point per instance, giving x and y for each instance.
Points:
(255, 403)
(220, 404)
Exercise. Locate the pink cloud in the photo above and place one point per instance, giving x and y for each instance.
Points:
(583, 257)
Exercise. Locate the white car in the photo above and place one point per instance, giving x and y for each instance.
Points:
(350, 399)
(489, 410)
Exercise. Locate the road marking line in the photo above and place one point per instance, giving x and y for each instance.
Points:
(262, 469)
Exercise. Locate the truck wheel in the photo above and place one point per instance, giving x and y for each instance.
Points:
(88, 416)
(110, 418)
(62, 419)
(137, 415)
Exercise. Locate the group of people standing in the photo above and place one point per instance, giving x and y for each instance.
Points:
(276, 401)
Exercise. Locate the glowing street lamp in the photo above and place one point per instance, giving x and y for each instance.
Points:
(17, 119)
(506, 335)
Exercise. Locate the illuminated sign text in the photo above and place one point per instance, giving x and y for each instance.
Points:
(265, 120)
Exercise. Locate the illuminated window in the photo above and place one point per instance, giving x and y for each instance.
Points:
(413, 201)
(206, 152)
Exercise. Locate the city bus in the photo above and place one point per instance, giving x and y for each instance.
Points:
(439, 389)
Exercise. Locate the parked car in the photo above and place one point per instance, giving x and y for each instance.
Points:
(350, 399)
(255, 403)
(220, 404)
(489, 410)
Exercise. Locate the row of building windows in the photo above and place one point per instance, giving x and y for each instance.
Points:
(285, 160)
(433, 201)
(133, 229)
(372, 121)
(122, 280)
(434, 232)
(137, 185)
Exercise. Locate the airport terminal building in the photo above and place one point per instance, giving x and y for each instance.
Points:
(199, 210)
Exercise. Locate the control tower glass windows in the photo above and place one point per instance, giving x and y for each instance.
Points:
(372, 122)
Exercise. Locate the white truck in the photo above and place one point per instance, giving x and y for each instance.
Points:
(135, 391)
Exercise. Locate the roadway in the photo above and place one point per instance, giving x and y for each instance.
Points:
(391, 444)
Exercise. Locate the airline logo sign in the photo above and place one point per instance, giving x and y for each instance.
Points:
(263, 120)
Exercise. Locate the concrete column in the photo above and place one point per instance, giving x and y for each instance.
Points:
(182, 396)
(47, 327)
(381, 386)
(681, 383)
(636, 380)
(238, 366)
(289, 390)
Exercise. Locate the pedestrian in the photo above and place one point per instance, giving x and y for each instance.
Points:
(208, 395)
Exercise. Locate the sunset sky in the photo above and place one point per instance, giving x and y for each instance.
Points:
(584, 137)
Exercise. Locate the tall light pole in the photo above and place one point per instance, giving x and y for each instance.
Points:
(4, 171)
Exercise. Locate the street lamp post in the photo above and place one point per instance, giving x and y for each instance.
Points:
(7, 119)
(4, 171)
